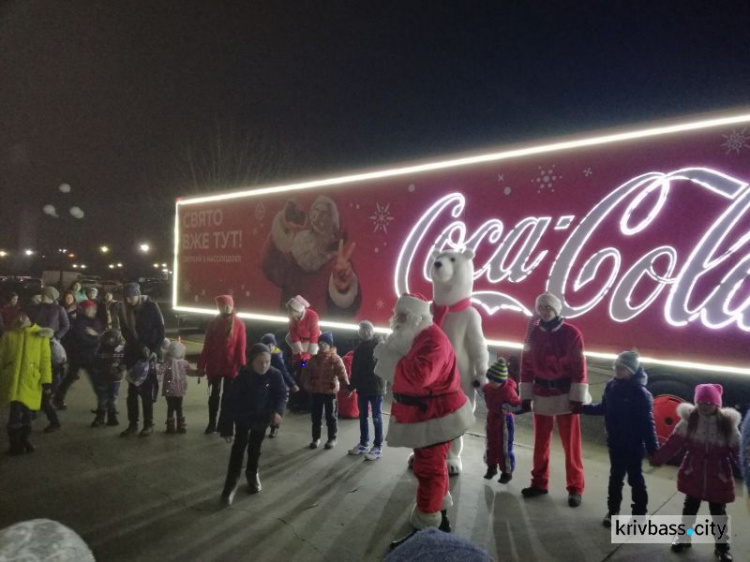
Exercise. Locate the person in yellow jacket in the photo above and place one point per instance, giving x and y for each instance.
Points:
(25, 373)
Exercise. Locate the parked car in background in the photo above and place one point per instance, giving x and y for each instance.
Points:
(25, 286)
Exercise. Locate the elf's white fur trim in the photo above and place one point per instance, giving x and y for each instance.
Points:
(708, 430)
(295, 345)
(312, 348)
(579, 392)
(430, 432)
(343, 300)
(421, 520)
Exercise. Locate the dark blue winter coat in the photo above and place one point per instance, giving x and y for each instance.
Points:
(252, 399)
(628, 413)
(277, 362)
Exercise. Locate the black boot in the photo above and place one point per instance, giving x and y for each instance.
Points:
(640, 500)
(23, 437)
(132, 429)
(112, 418)
(722, 553)
(15, 444)
(491, 471)
(445, 525)
(99, 419)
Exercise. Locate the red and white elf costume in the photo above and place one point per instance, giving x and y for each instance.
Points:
(429, 408)
(553, 377)
(304, 330)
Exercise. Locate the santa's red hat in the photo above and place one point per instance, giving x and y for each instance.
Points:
(414, 303)
(298, 304)
(83, 305)
(225, 300)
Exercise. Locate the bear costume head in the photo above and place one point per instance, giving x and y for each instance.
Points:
(452, 275)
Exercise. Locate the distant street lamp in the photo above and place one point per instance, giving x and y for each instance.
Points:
(104, 249)
(3, 253)
(29, 252)
(145, 248)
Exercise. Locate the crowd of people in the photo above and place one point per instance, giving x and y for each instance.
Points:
(48, 341)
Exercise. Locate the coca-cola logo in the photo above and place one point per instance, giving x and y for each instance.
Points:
(703, 283)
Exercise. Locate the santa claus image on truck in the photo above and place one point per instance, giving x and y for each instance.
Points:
(306, 252)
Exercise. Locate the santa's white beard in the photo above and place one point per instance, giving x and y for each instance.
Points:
(402, 337)
(311, 250)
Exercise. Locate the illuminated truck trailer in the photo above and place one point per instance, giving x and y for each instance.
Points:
(644, 234)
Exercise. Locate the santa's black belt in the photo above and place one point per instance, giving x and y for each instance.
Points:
(553, 383)
(418, 401)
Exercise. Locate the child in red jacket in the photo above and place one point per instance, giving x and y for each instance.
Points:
(502, 400)
(710, 437)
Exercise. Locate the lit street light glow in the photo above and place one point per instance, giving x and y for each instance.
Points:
(3, 253)
(29, 252)
(145, 248)
(104, 249)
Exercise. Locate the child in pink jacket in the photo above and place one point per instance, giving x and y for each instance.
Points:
(175, 371)
(709, 436)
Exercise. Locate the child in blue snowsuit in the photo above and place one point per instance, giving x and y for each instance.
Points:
(502, 401)
(628, 413)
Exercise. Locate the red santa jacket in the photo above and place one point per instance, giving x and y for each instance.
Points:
(303, 334)
(224, 347)
(495, 397)
(429, 406)
(553, 370)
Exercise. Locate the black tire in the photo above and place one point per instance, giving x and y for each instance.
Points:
(672, 388)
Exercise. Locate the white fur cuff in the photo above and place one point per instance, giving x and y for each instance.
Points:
(421, 520)
(430, 432)
(447, 501)
(579, 392)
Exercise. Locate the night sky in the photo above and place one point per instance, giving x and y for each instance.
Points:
(136, 102)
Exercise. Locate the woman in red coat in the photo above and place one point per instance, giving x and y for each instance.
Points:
(223, 354)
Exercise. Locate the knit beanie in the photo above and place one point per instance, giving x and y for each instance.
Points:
(326, 337)
(498, 372)
(548, 299)
(131, 290)
(51, 293)
(366, 325)
(268, 339)
(708, 394)
(176, 350)
(628, 359)
(255, 350)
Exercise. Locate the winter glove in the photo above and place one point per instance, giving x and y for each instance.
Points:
(576, 407)
(526, 405)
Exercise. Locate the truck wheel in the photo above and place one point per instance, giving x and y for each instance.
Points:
(667, 396)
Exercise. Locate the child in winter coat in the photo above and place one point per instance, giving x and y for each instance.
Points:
(256, 398)
(277, 362)
(628, 413)
(502, 400)
(709, 435)
(107, 371)
(322, 377)
(174, 372)
(25, 373)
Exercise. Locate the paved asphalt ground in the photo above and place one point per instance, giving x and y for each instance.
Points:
(158, 498)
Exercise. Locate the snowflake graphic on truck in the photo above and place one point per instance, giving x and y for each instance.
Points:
(736, 141)
(547, 178)
(381, 217)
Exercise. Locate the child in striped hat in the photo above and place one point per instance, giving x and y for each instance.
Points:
(502, 399)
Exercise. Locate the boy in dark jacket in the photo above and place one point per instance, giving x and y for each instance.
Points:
(370, 391)
(255, 398)
(628, 413)
(277, 362)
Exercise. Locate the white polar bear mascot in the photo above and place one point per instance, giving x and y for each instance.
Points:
(452, 276)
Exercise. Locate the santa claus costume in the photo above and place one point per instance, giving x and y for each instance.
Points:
(223, 354)
(304, 330)
(553, 378)
(429, 408)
